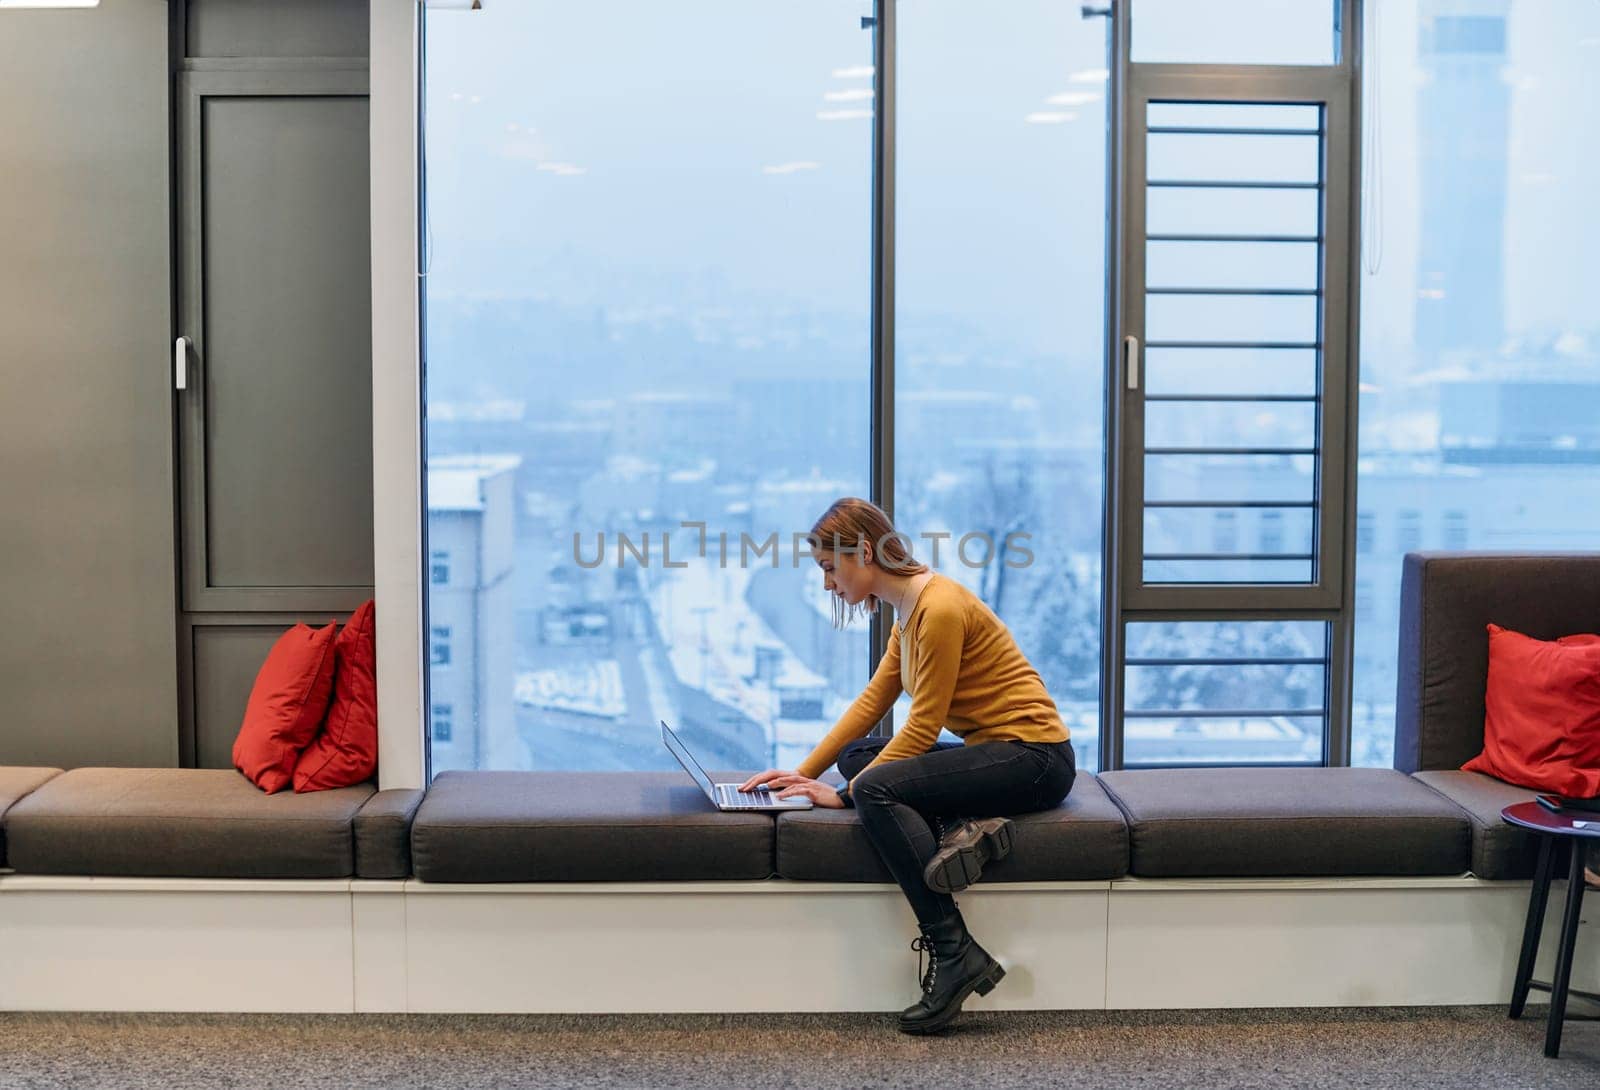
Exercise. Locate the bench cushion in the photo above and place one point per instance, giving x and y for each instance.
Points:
(1083, 839)
(1499, 850)
(15, 782)
(1237, 822)
(181, 822)
(383, 833)
(583, 827)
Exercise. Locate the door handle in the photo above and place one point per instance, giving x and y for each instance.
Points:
(180, 363)
(1130, 360)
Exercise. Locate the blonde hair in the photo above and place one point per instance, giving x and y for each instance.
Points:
(847, 525)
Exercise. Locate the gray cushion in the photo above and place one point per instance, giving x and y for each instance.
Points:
(1084, 838)
(15, 782)
(1235, 822)
(383, 833)
(1446, 600)
(1499, 850)
(182, 822)
(583, 827)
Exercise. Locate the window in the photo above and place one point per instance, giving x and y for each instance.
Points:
(999, 275)
(440, 646)
(1225, 693)
(439, 573)
(1233, 384)
(442, 723)
(1234, 257)
(1480, 341)
(628, 293)
(1236, 32)
(648, 364)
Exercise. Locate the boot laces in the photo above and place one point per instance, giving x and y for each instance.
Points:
(924, 944)
(944, 827)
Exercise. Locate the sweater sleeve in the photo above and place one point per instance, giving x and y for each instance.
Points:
(876, 699)
(941, 632)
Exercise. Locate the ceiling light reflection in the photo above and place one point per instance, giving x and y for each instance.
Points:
(1073, 98)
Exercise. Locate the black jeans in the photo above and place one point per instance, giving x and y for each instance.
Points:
(900, 802)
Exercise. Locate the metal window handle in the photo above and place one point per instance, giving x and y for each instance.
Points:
(1130, 360)
(180, 363)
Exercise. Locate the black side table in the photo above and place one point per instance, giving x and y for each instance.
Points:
(1568, 825)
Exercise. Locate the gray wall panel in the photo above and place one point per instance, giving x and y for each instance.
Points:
(88, 648)
(287, 342)
(277, 28)
(226, 661)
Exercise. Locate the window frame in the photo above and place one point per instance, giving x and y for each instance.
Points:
(398, 504)
(1329, 598)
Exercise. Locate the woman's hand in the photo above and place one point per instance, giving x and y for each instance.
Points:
(797, 786)
(764, 777)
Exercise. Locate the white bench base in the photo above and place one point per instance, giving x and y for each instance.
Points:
(170, 944)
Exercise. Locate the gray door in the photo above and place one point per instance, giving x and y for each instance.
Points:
(275, 416)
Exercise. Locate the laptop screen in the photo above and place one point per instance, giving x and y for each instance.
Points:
(690, 765)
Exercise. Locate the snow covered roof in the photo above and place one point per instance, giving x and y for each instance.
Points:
(455, 481)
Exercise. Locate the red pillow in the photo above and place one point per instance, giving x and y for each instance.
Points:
(289, 699)
(1542, 723)
(346, 750)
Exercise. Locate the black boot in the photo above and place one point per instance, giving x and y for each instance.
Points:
(963, 850)
(957, 966)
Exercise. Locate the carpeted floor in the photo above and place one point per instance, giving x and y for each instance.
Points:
(1467, 1047)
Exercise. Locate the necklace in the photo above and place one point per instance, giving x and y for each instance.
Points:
(899, 610)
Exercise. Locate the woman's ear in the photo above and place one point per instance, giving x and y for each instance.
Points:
(865, 553)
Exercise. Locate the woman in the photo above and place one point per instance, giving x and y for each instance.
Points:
(963, 671)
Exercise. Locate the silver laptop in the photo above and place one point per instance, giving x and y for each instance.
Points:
(726, 796)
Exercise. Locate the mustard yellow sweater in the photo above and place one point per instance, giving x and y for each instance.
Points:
(963, 671)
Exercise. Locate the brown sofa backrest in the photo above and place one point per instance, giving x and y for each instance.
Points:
(1446, 600)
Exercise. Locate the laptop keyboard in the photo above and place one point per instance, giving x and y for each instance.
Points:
(734, 797)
